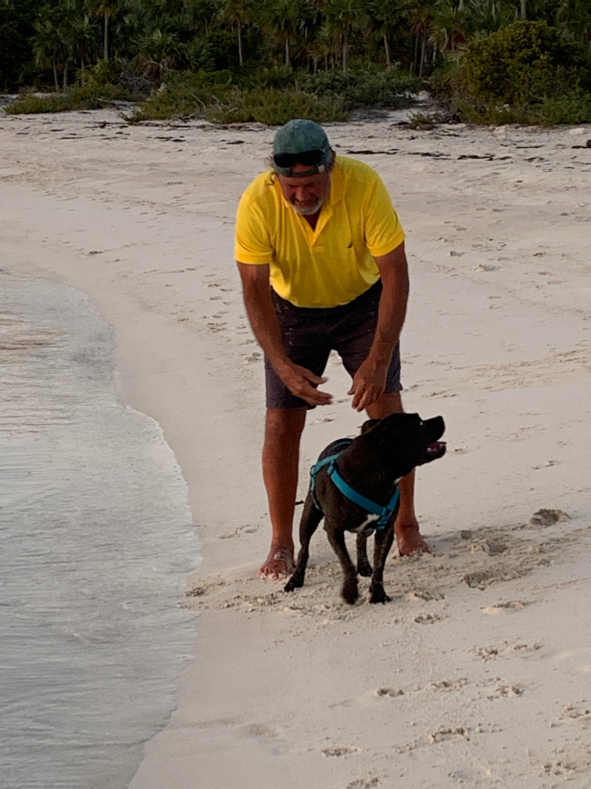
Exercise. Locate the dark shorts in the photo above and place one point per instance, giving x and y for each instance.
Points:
(310, 334)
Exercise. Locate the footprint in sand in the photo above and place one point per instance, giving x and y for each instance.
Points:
(556, 767)
(572, 713)
(442, 734)
(507, 692)
(489, 547)
(340, 750)
(546, 517)
(448, 684)
(488, 653)
(503, 608)
(253, 357)
(424, 594)
(428, 619)
(389, 692)
(247, 528)
(364, 783)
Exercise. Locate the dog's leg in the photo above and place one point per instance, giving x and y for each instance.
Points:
(311, 517)
(336, 537)
(382, 543)
(363, 565)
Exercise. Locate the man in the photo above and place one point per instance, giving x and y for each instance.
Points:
(321, 256)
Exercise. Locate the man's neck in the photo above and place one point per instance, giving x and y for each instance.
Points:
(312, 219)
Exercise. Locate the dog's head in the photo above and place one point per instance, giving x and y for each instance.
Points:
(405, 439)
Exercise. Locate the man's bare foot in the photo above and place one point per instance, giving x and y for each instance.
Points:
(409, 538)
(278, 564)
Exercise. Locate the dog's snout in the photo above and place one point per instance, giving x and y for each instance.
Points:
(433, 428)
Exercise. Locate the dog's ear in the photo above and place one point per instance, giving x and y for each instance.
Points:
(369, 424)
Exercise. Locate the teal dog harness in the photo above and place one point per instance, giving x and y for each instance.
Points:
(384, 514)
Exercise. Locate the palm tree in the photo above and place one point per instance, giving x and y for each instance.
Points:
(203, 14)
(47, 45)
(449, 24)
(573, 18)
(420, 25)
(488, 16)
(85, 41)
(322, 46)
(285, 19)
(53, 43)
(387, 15)
(160, 49)
(106, 9)
(346, 17)
(238, 13)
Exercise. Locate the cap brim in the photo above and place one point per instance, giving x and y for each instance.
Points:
(288, 171)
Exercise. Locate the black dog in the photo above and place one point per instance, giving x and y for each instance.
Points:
(355, 488)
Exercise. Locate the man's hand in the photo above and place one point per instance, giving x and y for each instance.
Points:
(302, 382)
(369, 383)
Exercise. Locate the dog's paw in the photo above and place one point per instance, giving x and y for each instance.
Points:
(378, 595)
(350, 592)
(295, 582)
(364, 569)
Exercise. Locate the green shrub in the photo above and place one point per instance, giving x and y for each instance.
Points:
(197, 95)
(80, 97)
(448, 79)
(275, 107)
(28, 105)
(524, 62)
(572, 107)
(365, 88)
(185, 94)
(276, 77)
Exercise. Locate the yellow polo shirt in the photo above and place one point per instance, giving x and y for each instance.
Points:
(334, 263)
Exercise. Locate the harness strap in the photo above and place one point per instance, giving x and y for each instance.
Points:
(384, 513)
(339, 446)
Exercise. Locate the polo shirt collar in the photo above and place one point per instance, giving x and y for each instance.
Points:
(337, 185)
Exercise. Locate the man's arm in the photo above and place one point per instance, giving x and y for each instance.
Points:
(265, 326)
(370, 380)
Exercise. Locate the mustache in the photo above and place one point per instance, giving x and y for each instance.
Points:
(307, 210)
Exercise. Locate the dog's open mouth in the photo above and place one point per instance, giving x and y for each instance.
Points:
(436, 450)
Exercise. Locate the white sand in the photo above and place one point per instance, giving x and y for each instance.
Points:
(478, 673)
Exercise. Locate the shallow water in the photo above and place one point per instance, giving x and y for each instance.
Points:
(96, 541)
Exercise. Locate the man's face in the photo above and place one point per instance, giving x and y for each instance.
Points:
(307, 193)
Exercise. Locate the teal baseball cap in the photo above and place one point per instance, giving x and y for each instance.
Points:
(301, 142)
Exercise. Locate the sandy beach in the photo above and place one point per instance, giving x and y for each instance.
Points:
(478, 673)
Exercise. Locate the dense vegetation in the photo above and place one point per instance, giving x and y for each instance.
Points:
(269, 60)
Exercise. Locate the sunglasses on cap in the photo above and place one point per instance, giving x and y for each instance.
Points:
(307, 158)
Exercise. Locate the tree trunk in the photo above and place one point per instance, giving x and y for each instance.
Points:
(240, 61)
(287, 60)
(57, 85)
(415, 60)
(387, 50)
(423, 52)
(345, 54)
(65, 81)
(523, 9)
(106, 36)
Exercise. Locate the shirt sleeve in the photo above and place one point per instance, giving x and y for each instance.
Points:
(252, 242)
(383, 231)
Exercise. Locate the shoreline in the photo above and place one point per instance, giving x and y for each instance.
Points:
(458, 681)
